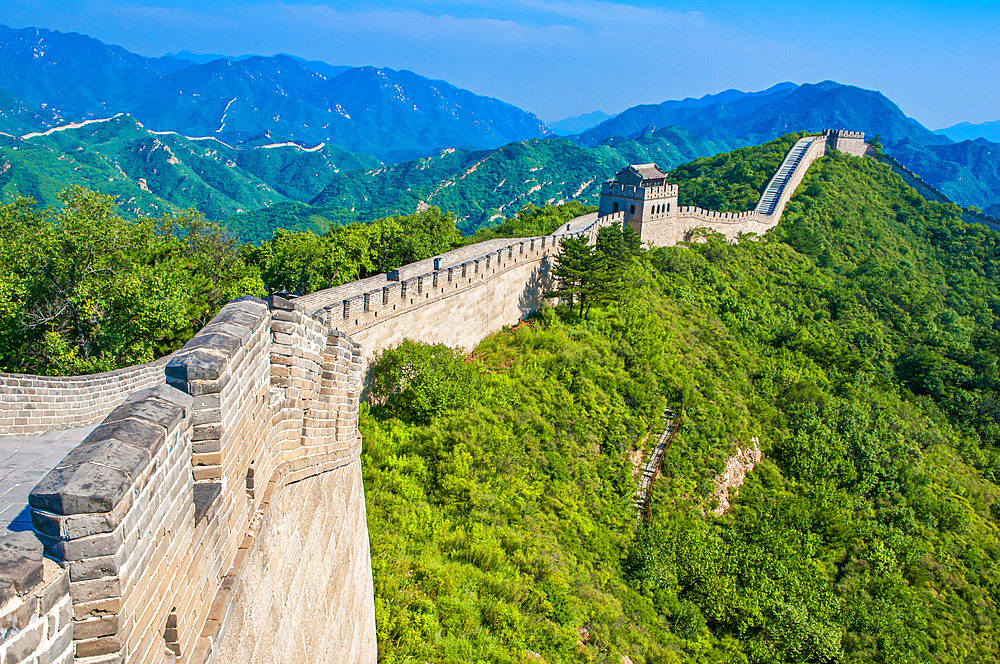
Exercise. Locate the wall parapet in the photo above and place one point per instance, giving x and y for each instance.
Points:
(154, 515)
(32, 404)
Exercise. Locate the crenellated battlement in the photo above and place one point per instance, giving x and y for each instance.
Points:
(843, 133)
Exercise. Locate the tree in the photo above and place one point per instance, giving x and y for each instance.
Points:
(416, 381)
(89, 294)
(572, 270)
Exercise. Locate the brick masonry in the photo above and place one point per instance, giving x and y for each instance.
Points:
(32, 404)
(217, 513)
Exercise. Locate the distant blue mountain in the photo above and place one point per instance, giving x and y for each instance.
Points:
(965, 131)
(392, 115)
(578, 123)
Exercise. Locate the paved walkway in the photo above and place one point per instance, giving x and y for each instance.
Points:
(24, 461)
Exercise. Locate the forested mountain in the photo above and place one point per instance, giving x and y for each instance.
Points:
(155, 172)
(399, 117)
(967, 172)
(854, 346)
(393, 115)
(482, 186)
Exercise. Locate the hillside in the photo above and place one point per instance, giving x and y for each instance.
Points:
(967, 172)
(854, 345)
(482, 186)
(393, 115)
(154, 172)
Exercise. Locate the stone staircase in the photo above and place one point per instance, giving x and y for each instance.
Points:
(671, 423)
(776, 187)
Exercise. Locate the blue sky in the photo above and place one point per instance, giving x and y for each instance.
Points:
(937, 60)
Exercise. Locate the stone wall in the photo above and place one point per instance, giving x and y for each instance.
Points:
(36, 618)
(32, 404)
(457, 304)
(848, 142)
(309, 595)
(677, 227)
(156, 515)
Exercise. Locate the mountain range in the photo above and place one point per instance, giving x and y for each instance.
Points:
(965, 131)
(155, 172)
(392, 115)
(265, 142)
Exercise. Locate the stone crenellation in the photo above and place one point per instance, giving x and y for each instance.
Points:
(844, 140)
(218, 508)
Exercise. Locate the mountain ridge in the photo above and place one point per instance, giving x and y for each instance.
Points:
(84, 78)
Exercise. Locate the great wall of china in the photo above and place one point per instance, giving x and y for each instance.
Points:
(213, 509)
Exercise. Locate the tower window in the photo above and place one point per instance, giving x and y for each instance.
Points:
(615, 208)
(632, 210)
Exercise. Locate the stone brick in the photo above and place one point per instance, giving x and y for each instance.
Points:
(138, 433)
(21, 561)
(196, 363)
(151, 409)
(25, 643)
(113, 453)
(86, 488)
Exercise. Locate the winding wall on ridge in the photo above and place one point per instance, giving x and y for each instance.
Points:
(220, 516)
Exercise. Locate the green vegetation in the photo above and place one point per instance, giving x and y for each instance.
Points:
(85, 290)
(484, 186)
(857, 342)
(156, 173)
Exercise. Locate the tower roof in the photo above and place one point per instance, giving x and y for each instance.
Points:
(648, 171)
(641, 175)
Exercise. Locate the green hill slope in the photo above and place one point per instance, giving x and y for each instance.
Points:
(154, 172)
(483, 186)
(856, 344)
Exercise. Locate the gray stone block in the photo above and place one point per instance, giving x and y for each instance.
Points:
(113, 453)
(239, 332)
(199, 387)
(135, 432)
(163, 413)
(87, 488)
(276, 302)
(163, 393)
(85, 548)
(196, 363)
(238, 317)
(21, 561)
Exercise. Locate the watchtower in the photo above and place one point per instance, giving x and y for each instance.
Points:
(846, 141)
(640, 191)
